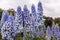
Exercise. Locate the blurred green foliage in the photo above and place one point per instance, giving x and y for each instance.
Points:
(0, 37)
(19, 37)
(1, 13)
(48, 21)
(57, 20)
(39, 38)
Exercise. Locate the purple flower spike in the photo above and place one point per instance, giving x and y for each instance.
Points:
(7, 29)
(4, 17)
(18, 23)
(48, 32)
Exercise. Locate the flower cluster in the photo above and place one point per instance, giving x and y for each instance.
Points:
(3, 19)
(18, 22)
(23, 22)
(7, 29)
(48, 32)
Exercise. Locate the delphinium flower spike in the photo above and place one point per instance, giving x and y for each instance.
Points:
(34, 21)
(48, 33)
(58, 36)
(40, 14)
(55, 30)
(27, 21)
(37, 32)
(18, 23)
(33, 10)
(7, 29)
(42, 33)
(4, 18)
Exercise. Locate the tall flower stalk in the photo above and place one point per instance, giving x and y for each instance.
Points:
(7, 29)
(18, 23)
(27, 22)
(48, 33)
(40, 14)
(4, 18)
